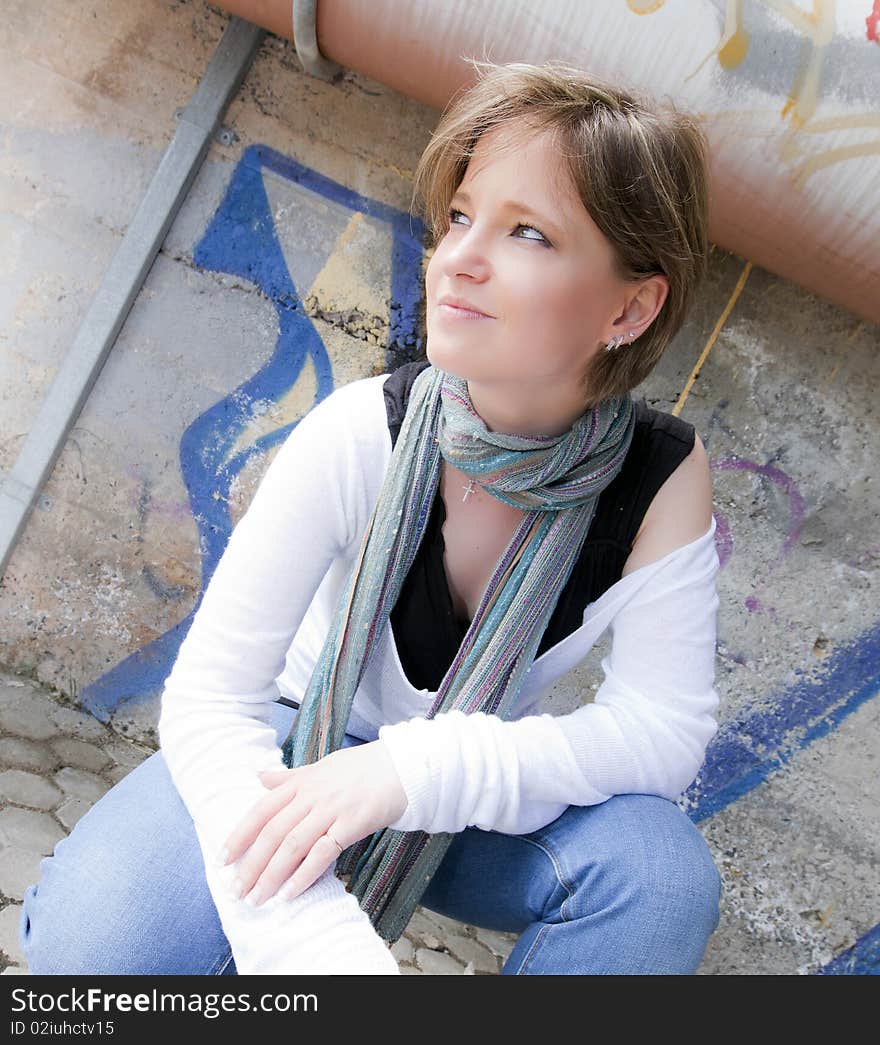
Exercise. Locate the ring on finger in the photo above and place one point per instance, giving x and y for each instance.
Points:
(333, 840)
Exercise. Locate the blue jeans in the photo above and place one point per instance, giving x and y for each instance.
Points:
(625, 887)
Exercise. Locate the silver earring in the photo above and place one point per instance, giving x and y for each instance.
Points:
(618, 340)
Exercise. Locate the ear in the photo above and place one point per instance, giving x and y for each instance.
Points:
(642, 304)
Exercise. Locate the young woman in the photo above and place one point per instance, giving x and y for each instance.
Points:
(426, 555)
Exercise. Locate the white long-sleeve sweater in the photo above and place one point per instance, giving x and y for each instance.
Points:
(260, 629)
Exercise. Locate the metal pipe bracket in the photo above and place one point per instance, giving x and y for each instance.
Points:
(305, 40)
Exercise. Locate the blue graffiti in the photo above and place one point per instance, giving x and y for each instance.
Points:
(241, 240)
(747, 749)
(862, 959)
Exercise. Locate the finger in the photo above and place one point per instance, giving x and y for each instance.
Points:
(323, 854)
(273, 777)
(273, 834)
(248, 829)
(292, 850)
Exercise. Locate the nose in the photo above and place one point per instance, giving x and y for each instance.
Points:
(466, 253)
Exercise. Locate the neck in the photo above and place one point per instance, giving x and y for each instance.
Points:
(525, 411)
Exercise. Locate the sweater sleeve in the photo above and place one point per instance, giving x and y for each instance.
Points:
(214, 726)
(646, 731)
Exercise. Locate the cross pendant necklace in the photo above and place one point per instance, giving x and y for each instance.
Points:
(468, 490)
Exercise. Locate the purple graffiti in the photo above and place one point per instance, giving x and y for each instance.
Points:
(785, 482)
(723, 539)
(142, 500)
(753, 603)
(865, 559)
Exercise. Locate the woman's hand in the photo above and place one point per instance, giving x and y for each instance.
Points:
(344, 796)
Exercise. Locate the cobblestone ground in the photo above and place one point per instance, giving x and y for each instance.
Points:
(56, 761)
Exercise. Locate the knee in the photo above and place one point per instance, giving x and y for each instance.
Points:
(678, 884)
(652, 857)
(50, 928)
(32, 941)
(64, 927)
(678, 876)
(83, 916)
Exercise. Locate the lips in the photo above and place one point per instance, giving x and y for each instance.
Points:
(463, 307)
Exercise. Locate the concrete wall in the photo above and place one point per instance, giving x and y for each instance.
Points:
(293, 267)
(229, 342)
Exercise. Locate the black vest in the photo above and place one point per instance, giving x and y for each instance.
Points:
(426, 630)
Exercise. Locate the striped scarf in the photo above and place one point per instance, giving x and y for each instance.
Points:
(556, 480)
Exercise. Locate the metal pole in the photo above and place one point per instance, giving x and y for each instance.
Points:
(123, 280)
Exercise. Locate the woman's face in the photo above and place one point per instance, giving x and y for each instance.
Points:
(543, 276)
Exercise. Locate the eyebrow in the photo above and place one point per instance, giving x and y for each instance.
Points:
(515, 205)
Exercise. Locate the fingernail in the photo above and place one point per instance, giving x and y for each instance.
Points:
(223, 858)
(237, 888)
(254, 896)
(287, 893)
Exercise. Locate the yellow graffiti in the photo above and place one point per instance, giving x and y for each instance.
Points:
(734, 43)
(792, 152)
(818, 26)
(830, 157)
(338, 274)
(837, 123)
(734, 51)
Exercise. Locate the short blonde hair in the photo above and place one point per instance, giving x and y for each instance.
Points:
(640, 170)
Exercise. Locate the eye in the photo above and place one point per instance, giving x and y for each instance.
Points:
(538, 238)
(531, 228)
